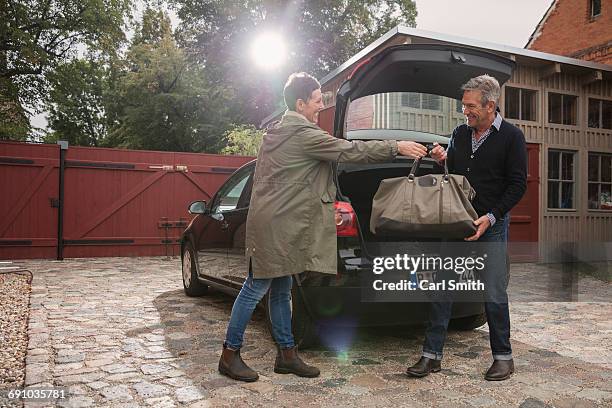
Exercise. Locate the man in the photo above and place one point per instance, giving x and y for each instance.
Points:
(491, 153)
(290, 225)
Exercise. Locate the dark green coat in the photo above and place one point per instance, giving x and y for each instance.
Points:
(290, 226)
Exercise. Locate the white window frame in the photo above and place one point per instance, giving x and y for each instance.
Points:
(561, 125)
(561, 180)
(538, 107)
(599, 182)
(600, 98)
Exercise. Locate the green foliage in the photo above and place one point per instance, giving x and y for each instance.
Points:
(163, 101)
(14, 123)
(321, 36)
(243, 140)
(36, 36)
(76, 103)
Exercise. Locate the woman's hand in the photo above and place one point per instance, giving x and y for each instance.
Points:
(411, 149)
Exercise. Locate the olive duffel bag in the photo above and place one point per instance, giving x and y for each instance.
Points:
(430, 206)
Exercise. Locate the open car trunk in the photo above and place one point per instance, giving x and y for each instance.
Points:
(424, 68)
(359, 183)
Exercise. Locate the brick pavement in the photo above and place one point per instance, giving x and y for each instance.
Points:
(119, 332)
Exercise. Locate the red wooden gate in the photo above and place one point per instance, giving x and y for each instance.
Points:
(28, 197)
(116, 202)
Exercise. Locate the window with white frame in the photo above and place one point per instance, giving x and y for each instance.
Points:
(600, 181)
(520, 103)
(600, 113)
(422, 101)
(595, 8)
(561, 179)
(562, 109)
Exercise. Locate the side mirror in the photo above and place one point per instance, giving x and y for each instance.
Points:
(197, 207)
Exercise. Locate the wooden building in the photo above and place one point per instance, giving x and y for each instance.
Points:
(564, 107)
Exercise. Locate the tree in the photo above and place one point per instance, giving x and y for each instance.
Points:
(36, 35)
(76, 103)
(14, 123)
(244, 140)
(163, 101)
(322, 35)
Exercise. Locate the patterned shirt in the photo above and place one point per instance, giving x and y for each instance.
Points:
(476, 143)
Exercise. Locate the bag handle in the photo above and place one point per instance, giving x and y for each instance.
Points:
(415, 167)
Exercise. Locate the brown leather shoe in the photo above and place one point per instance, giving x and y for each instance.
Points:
(423, 367)
(231, 365)
(500, 370)
(288, 362)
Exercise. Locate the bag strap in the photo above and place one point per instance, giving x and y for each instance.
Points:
(415, 167)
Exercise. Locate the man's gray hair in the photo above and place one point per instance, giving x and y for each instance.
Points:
(487, 85)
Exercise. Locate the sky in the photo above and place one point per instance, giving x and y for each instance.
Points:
(506, 22)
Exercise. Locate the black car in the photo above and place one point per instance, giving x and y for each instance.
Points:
(419, 78)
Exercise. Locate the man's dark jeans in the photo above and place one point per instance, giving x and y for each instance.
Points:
(495, 277)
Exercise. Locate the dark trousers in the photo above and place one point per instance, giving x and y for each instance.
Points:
(495, 278)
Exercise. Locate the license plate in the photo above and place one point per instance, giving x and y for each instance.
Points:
(429, 276)
(466, 276)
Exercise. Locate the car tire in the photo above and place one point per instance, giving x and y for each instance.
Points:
(303, 327)
(192, 285)
(468, 322)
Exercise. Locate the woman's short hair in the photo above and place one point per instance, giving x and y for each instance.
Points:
(300, 85)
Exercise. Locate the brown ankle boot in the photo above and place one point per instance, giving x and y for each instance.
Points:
(231, 365)
(288, 362)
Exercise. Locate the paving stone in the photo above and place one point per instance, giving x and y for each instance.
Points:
(121, 377)
(202, 404)
(533, 403)
(594, 394)
(96, 385)
(161, 402)
(154, 368)
(260, 387)
(79, 378)
(76, 390)
(178, 381)
(98, 363)
(146, 389)
(571, 402)
(80, 401)
(353, 390)
(189, 394)
(117, 368)
(150, 336)
(117, 393)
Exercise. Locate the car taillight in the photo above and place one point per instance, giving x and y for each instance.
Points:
(346, 220)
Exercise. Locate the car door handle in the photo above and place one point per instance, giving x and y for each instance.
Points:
(224, 225)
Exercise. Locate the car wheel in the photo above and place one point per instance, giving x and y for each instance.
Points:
(469, 322)
(191, 283)
(303, 327)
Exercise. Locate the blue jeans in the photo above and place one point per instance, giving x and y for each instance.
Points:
(495, 278)
(253, 290)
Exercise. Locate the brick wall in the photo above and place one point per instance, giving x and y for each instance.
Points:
(569, 30)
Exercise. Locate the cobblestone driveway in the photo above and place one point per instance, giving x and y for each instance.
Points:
(120, 332)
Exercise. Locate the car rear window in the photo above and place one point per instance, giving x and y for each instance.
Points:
(408, 111)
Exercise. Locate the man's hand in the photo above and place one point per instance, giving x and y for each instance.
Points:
(482, 224)
(438, 153)
(411, 149)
